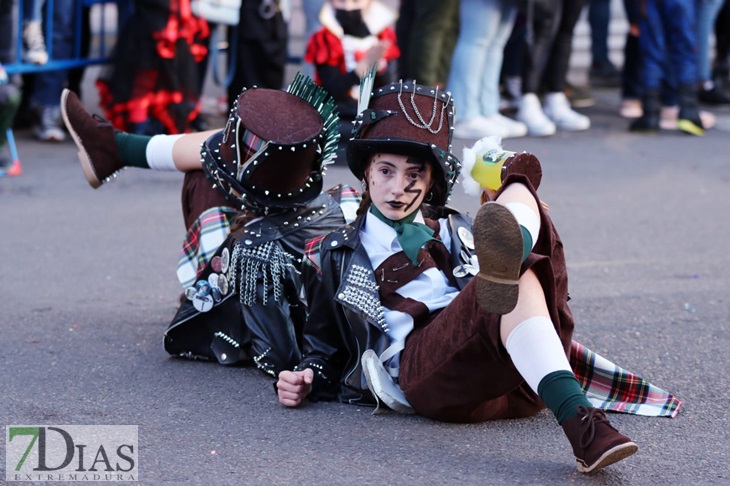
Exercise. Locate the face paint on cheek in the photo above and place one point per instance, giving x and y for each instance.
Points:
(371, 178)
(409, 189)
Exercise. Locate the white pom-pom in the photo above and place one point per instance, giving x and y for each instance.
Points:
(470, 156)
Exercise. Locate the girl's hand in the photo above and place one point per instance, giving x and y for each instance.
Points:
(294, 386)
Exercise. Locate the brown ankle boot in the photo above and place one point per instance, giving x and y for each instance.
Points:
(596, 444)
(94, 137)
(524, 163)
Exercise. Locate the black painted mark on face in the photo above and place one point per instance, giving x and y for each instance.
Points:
(371, 170)
(409, 189)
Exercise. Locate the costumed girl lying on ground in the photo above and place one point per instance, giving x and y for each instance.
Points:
(394, 313)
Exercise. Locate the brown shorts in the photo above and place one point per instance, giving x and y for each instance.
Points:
(198, 195)
(456, 369)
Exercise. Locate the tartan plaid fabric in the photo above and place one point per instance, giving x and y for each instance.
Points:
(202, 240)
(349, 202)
(212, 227)
(311, 251)
(610, 387)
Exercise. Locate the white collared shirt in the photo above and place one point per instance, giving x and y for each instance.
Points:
(431, 287)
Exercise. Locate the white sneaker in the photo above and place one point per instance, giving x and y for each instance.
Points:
(49, 129)
(477, 128)
(530, 113)
(35, 44)
(557, 108)
(511, 127)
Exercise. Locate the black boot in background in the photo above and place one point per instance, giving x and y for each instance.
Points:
(689, 113)
(649, 120)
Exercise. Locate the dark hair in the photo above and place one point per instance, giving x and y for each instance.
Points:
(364, 204)
(242, 219)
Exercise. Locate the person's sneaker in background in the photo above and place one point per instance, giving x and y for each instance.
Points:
(669, 118)
(630, 108)
(476, 128)
(511, 128)
(35, 44)
(709, 94)
(49, 129)
(558, 109)
(530, 113)
(579, 97)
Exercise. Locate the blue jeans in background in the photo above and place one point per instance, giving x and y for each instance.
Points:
(668, 34)
(485, 26)
(48, 85)
(599, 16)
(707, 11)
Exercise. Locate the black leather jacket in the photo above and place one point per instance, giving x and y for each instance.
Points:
(346, 316)
(261, 315)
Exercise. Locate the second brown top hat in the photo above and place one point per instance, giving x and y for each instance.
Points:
(275, 147)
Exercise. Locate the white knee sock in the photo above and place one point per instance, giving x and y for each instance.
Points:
(536, 350)
(527, 218)
(159, 152)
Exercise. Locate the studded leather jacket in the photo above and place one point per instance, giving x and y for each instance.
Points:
(346, 316)
(248, 302)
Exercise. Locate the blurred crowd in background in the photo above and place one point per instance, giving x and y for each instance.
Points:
(505, 62)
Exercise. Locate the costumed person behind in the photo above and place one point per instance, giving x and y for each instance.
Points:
(260, 194)
(355, 34)
(394, 313)
(152, 85)
(259, 42)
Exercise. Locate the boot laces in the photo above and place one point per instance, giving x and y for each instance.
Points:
(102, 121)
(590, 417)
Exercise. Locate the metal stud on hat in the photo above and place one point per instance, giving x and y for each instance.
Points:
(271, 133)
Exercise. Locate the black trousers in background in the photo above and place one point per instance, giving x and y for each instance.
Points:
(261, 55)
(547, 55)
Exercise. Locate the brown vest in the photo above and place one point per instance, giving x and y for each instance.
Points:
(397, 270)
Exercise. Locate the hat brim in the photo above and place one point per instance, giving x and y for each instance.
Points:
(359, 151)
(245, 193)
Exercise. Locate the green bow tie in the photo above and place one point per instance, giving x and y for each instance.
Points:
(411, 236)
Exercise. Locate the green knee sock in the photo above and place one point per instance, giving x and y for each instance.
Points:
(562, 393)
(133, 149)
(526, 242)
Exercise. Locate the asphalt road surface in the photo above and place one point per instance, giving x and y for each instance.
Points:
(88, 287)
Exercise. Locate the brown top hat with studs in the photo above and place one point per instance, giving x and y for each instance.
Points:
(408, 119)
(275, 147)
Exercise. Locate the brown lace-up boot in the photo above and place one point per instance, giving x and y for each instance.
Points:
(596, 444)
(498, 242)
(94, 137)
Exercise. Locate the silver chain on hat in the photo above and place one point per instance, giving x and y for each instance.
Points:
(423, 125)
